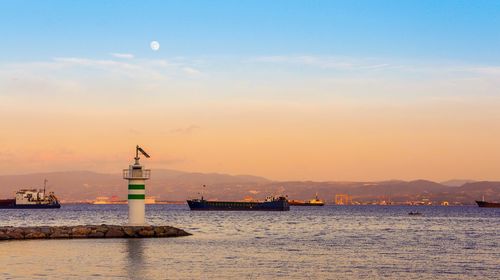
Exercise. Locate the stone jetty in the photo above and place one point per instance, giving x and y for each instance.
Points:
(89, 231)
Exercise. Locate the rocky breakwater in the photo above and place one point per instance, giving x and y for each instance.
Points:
(89, 231)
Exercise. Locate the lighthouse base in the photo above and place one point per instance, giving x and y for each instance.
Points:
(136, 212)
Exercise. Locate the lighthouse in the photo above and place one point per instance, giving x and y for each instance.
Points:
(136, 176)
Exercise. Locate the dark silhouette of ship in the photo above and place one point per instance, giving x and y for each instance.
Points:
(487, 204)
(279, 203)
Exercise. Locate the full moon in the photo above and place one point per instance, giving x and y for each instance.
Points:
(154, 45)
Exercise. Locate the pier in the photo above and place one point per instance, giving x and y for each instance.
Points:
(89, 231)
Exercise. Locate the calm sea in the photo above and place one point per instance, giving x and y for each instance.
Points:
(331, 242)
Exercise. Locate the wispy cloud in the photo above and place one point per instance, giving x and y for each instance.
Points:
(185, 130)
(122, 55)
(65, 69)
(191, 71)
(369, 65)
(101, 63)
(325, 62)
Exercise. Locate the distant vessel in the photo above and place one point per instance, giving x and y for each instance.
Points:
(487, 204)
(31, 199)
(313, 202)
(270, 204)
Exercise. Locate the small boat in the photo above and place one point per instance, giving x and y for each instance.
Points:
(279, 203)
(313, 202)
(31, 199)
(415, 214)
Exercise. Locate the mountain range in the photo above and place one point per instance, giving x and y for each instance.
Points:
(173, 185)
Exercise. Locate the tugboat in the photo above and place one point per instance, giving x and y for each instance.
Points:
(486, 204)
(313, 202)
(31, 199)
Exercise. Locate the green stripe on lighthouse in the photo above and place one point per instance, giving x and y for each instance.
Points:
(136, 187)
(136, 196)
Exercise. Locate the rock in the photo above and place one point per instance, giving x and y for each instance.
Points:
(15, 233)
(46, 230)
(58, 234)
(129, 231)
(179, 232)
(35, 235)
(29, 230)
(80, 231)
(115, 233)
(96, 234)
(159, 231)
(145, 232)
(102, 228)
(4, 236)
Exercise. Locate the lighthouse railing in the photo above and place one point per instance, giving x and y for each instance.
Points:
(136, 173)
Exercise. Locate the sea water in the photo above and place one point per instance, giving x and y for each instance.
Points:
(330, 242)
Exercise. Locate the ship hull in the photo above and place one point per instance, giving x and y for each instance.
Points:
(204, 205)
(11, 204)
(305, 204)
(487, 204)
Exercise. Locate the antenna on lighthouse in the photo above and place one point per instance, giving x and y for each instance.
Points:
(137, 151)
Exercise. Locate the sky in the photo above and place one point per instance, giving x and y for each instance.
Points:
(288, 90)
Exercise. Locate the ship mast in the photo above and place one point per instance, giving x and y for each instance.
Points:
(44, 186)
(202, 189)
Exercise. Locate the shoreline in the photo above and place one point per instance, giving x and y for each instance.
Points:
(89, 231)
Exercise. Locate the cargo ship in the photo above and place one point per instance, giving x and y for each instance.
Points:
(279, 203)
(313, 202)
(31, 199)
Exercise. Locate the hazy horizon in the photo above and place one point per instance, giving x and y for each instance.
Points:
(119, 172)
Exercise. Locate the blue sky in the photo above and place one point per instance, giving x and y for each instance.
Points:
(465, 31)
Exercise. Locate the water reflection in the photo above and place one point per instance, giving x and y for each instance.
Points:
(135, 256)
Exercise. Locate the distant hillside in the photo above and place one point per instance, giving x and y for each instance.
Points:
(178, 185)
(86, 185)
(456, 182)
(476, 191)
(396, 191)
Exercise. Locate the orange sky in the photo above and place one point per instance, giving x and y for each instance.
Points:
(336, 139)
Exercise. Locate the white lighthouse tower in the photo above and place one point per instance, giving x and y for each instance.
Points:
(136, 176)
